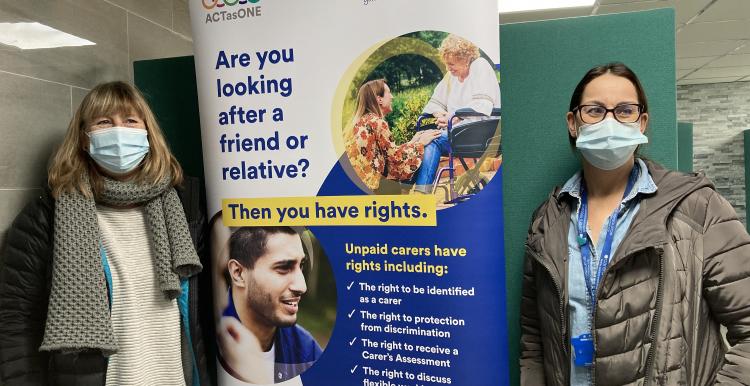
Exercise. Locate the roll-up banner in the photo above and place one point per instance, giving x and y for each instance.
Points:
(352, 154)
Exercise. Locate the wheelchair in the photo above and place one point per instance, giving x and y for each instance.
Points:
(477, 140)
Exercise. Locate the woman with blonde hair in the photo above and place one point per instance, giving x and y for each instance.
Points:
(469, 83)
(372, 153)
(97, 280)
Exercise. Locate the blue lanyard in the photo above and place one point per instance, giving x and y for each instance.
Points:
(586, 244)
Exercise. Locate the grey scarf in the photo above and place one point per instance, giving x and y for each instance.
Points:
(78, 312)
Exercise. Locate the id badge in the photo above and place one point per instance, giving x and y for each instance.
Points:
(583, 350)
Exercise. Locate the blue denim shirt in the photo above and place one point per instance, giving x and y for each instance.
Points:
(579, 307)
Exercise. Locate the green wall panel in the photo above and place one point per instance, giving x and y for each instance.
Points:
(685, 147)
(541, 63)
(170, 88)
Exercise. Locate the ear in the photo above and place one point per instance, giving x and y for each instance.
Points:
(644, 122)
(572, 129)
(236, 273)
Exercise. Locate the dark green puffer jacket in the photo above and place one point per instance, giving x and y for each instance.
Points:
(25, 280)
(682, 269)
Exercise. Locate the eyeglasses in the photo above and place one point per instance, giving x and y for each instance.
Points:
(625, 113)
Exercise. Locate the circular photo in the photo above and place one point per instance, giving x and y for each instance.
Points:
(275, 302)
(420, 114)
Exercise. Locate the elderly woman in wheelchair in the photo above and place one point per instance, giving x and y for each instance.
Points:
(469, 92)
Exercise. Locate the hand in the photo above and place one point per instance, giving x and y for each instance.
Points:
(416, 137)
(240, 349)
(426, 136)
(442, 122)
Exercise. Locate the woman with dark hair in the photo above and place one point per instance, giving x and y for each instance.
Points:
(371, 151)
(97, 279)
(631, 268)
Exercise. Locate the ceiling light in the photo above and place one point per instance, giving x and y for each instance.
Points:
(508, 6)
(29, 36)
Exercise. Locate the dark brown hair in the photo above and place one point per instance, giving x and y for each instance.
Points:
(247, 244)
(614, 68)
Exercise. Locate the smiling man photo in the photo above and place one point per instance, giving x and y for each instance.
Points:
(259, 338)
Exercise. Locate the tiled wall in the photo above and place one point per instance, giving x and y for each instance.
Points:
(39, 89)
(719, 113)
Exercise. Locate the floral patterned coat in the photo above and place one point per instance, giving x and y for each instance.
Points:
(373, 154)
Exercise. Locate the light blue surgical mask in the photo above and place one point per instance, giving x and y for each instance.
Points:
(607, 145)
(118, 149)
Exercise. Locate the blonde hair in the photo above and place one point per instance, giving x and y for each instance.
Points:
(367, 99)
(71, 162)
(458, 47)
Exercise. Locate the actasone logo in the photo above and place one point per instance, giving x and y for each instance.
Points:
(211, 4)
(219, 11)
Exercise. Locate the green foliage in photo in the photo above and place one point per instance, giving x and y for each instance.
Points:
(407, 107)
(406, 71)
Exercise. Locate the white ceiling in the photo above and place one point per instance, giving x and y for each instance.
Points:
(713, 36)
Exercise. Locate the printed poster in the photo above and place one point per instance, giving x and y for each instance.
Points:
(353, 164)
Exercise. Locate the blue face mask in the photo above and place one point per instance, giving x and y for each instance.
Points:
(607, 145)
(118, 149)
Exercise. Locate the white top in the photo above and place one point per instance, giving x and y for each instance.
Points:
(259, 366)
(479, 91)
(146, 324)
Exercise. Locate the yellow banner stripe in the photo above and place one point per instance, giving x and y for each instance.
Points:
(394, 210)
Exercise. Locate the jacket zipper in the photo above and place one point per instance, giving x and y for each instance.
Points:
(193, 312)
(657, 311)
(558, 288)
(593, 318)
(657, 317)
